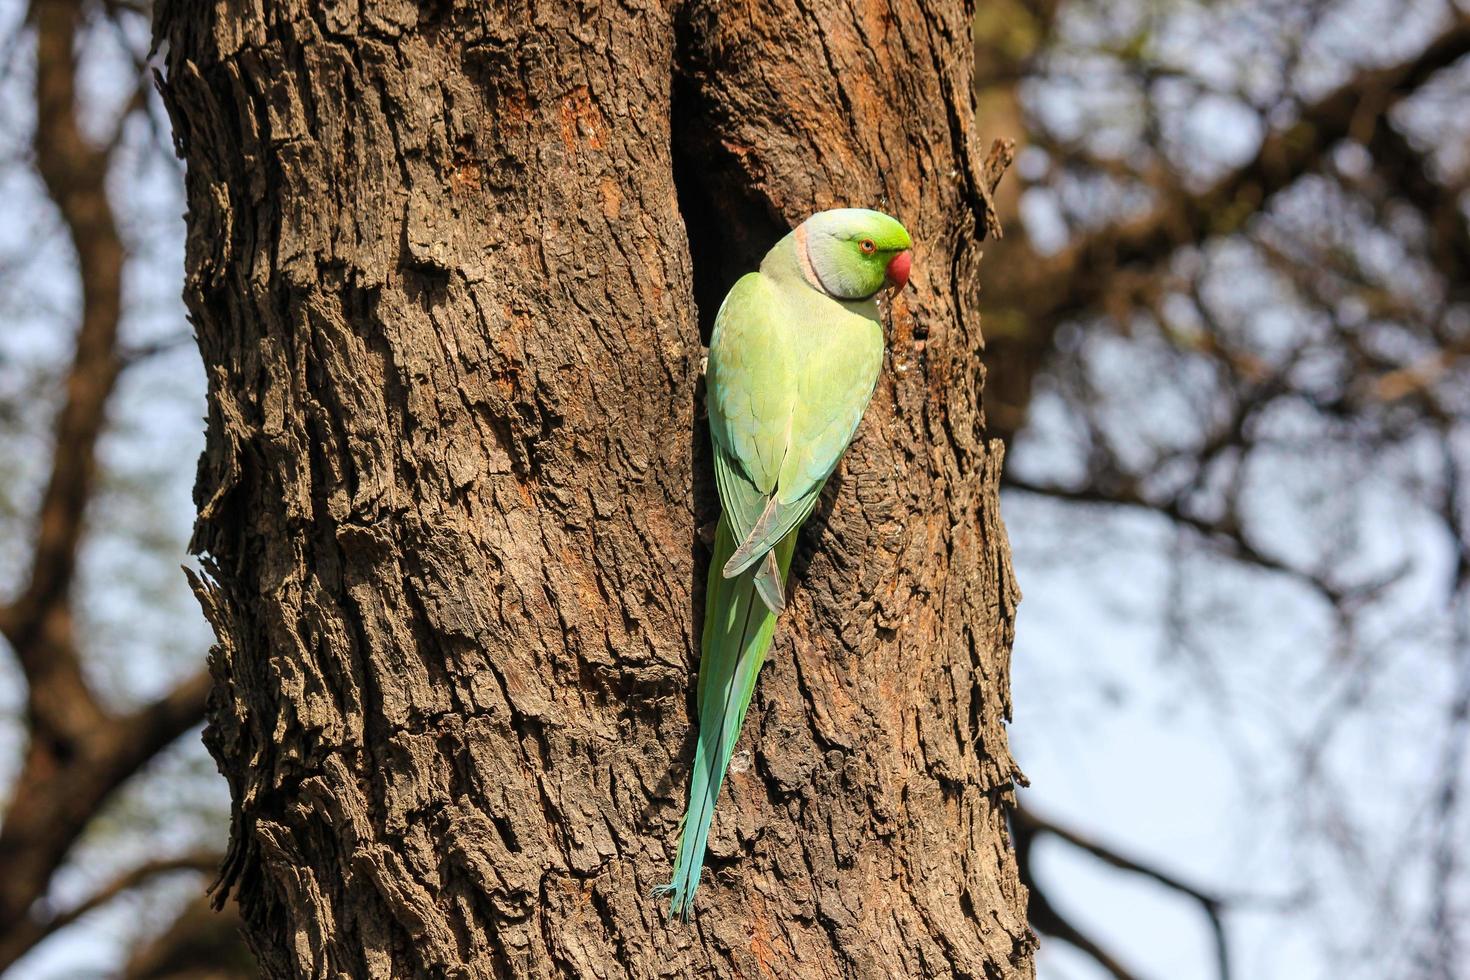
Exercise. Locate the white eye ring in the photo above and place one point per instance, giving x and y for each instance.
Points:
(867, 246)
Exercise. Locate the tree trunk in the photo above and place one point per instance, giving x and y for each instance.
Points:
(444, 261)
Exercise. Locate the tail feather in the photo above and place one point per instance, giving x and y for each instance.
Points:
(737, 633)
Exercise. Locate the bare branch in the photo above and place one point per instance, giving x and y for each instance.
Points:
(38, 622)
(154, 726)
(1030, 296)
(1029, 822)
(1044, 916)
(1283, 157)
(77, 753)
(55, 801)
(142, 352)
(1226, 533)
(201, 942)
(205, 862)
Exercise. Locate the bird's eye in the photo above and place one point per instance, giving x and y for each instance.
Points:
(868, 247)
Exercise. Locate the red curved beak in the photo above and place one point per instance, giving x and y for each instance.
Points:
(898, 270)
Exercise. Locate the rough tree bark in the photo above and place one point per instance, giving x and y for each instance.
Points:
(444, 261)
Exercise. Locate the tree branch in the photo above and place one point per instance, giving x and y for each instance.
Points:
(1030, 296)
(1225, 533)
(201, 942)
(1030, 824)
(1284, 156)
(205, 862)
(154, 726)
(142, 352)
(38, 623)
(77, 753)
(1044, 916)
(54, 801)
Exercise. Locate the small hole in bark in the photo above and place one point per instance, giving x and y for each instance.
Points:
(433, 14)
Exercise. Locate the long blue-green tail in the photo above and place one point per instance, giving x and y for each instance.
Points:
(737, 634)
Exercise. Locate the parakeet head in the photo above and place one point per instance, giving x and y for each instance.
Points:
(852, 253)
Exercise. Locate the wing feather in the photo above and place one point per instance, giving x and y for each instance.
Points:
(784, 402)
(752, 393)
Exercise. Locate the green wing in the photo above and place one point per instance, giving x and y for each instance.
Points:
(773, 524)
(752, 388)
(752, 396)
(834, 382)
(784, 404)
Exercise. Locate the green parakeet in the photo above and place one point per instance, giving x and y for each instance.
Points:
(795, 356)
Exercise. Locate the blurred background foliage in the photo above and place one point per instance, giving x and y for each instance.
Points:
(1227, 337)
